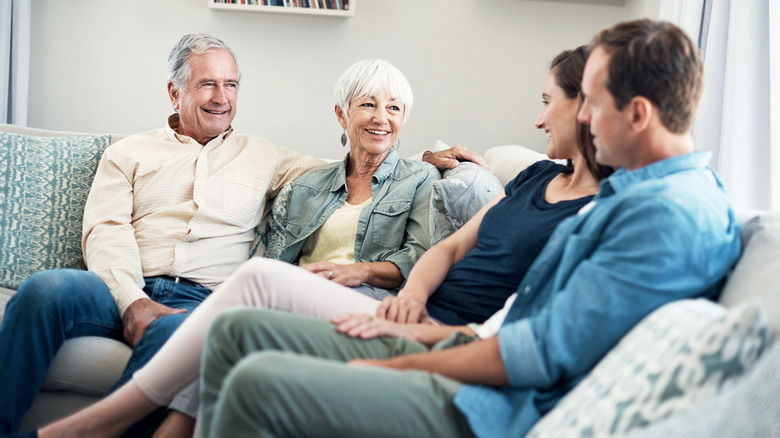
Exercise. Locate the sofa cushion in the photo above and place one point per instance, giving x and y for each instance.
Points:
(680, 354)
(44, 182)
(754, 276)
(508, 161)
(87, 365)
(456, 197)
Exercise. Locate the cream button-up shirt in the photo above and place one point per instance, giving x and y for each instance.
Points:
(163, 204)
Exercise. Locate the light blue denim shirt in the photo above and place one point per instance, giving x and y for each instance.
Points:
(653, 235)
(394, 228)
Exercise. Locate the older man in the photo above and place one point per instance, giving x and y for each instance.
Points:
(171, 213)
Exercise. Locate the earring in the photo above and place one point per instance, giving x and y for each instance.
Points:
(397, 143)
(344, 138)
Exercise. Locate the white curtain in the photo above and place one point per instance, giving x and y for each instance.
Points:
(14, 60)
(739, 116)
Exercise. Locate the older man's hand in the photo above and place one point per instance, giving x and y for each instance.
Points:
(140, 314)
(451, 158)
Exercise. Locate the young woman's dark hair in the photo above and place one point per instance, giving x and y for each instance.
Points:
(567, 68)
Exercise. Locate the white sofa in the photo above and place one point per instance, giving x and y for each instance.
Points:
(86, 367)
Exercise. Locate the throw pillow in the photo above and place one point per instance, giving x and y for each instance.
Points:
(273, 238)
(746, 409)
(677, 356)
(456, 197)
(508, 161)
(44, 182)
(754, 276)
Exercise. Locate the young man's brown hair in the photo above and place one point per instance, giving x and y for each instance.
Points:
(657, 60)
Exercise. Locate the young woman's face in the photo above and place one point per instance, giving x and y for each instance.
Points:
(558, 119)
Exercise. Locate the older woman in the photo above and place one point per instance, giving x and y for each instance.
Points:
(546, 193)
(362, 221)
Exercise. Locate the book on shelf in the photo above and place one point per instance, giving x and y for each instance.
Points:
(335, 5)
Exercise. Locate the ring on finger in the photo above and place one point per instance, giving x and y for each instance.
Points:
(330, 275)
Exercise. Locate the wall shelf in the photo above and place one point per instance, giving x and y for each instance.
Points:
(213, 4)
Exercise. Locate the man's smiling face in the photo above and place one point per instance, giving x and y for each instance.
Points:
(207, 104)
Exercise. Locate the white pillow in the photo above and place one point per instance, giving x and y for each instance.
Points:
(680, 354)
(507, 162)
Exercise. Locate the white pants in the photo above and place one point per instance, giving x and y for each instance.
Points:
(259, 283)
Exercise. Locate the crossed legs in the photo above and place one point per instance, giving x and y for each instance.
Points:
(280, 375)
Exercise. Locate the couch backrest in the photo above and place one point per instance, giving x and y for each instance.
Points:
(755, 275)
(15, 129)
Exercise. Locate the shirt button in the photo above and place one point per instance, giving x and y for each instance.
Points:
(391, 209)
(359, 237)
(527, 289)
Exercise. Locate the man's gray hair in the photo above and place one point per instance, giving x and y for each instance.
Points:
(195, 43)
(370, 77)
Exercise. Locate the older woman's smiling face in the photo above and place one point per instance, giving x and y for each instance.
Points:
(372, 123)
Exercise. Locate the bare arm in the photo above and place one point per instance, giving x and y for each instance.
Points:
(380, 274)
(451, 158)
(477, 362)
(369, 327)
(429, 272)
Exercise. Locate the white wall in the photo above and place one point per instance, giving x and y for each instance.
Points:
(636, 9)
(476, 66)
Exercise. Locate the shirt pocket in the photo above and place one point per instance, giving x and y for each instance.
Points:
(388, 223)
(242, 198)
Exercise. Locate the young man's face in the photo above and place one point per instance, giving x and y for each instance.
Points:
(207, 105)
(609, 126)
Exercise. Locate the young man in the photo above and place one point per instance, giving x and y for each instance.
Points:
(660, 229)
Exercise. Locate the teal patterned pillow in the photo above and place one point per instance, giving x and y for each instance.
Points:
(679, 355)
(460, 194)
(44, 182)
(273, 236)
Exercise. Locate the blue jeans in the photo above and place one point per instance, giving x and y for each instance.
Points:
(51, 307)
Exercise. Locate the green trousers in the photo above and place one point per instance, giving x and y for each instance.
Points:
(274, 374)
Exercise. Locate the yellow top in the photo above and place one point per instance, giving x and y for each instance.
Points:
(334, 241)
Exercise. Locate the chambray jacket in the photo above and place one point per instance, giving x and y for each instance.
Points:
(394, 228)
(650, 236)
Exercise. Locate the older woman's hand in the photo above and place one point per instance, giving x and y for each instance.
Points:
(451, 158)
(368, 327)
(345, 275)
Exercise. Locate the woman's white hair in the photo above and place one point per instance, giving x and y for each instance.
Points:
(370, 77)
(195, 43)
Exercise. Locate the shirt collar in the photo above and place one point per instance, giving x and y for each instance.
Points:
(173, 125)
(622, 179)
(382, 172)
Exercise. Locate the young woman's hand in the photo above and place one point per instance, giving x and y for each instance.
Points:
(369, 327)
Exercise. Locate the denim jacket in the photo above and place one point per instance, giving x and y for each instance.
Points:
(394, 228)
(650, 236)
